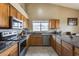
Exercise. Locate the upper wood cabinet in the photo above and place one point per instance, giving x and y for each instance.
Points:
(57, 24)
(13, 11)
(54, 24)
(19, 15)
(7, 10)
(25, 22)
(4, 15)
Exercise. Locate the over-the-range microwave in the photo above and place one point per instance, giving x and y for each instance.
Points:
(15, 23)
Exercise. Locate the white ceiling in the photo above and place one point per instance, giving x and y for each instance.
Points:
(69, 5)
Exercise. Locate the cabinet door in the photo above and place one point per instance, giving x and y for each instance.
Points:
(67, 49)
(53, 43)
(27, 43)
(4, 15)
(35, 40)
(13, 11)
(19, 16)
(57, 24)
(76, 51)
(25, 22)
(58, 46)
(52, 24)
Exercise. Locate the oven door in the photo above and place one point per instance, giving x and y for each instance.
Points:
(22, 48)
(2, 45)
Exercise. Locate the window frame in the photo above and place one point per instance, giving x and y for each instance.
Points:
(40, 24)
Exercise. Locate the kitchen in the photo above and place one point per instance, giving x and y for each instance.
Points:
(28, 29)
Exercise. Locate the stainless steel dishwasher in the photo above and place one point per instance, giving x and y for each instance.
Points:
(46, 40)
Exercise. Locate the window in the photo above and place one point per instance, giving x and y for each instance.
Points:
(36, 26)
(44, 26)
(40, 26)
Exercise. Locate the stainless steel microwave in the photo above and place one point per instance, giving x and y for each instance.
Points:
(15, 23)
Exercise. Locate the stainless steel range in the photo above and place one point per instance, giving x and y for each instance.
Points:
(6, 38)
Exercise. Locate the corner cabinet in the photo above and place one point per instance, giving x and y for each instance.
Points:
(4, 15)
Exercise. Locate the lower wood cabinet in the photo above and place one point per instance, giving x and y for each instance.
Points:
(67, 49)
(27, 43)
(63, 48)
(53, 43)
(76, 51)
(12, 51)
(58, 46)
(35, 40)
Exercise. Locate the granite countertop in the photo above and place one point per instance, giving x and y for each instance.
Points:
(74, 41)
(8, 47)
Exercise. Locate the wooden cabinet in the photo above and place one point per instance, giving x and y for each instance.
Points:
(53, 42)
(58, 46)
(76, 51)
(57, 24)
(25, 22)
(36, 40)
(4, 15)
(54, 24)
(19, 16)
(13, 11)
(7, 10)
(27, 43)
(67, 49)
(12, 51)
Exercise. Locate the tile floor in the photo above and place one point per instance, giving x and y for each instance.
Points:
(41, 51)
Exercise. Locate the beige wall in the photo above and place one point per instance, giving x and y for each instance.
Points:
(50, 11)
